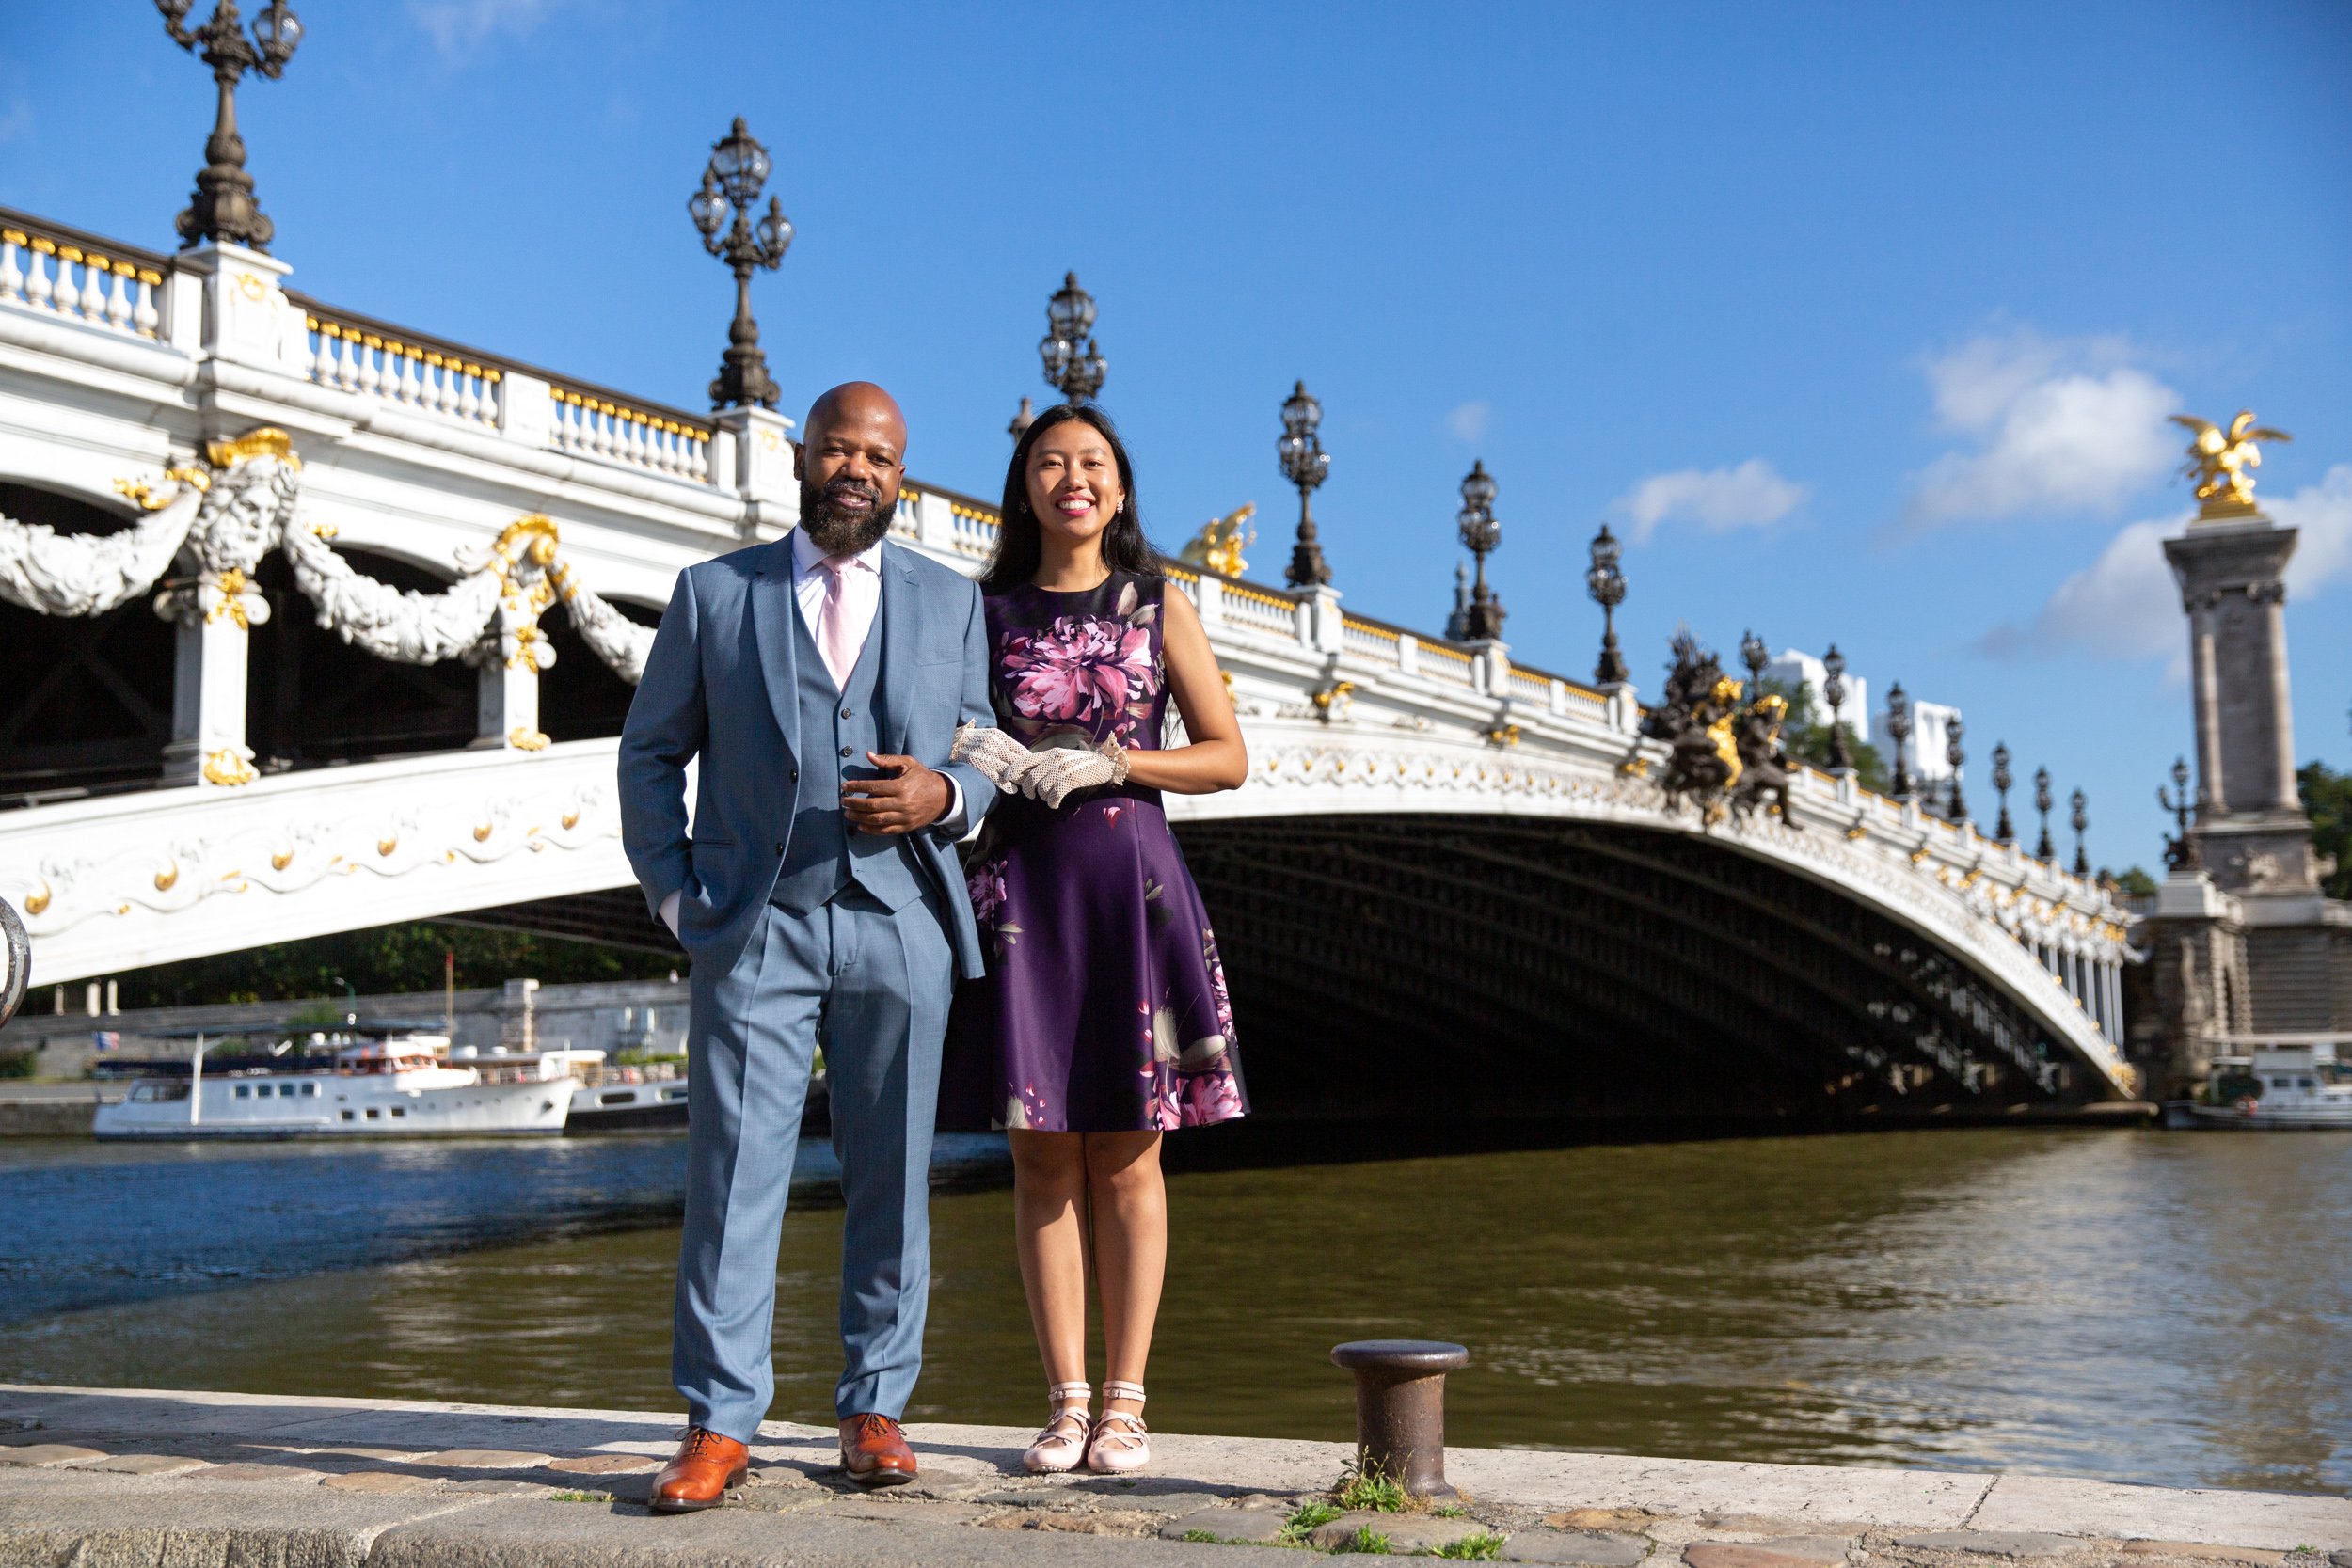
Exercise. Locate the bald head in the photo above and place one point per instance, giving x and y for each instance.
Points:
(859, 404)
(850, 461)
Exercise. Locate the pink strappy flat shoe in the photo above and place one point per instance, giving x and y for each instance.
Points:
(1063, 1443)
(1121, 1443)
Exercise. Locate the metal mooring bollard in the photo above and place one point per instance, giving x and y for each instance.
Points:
(1400, 1408)
(18, 971)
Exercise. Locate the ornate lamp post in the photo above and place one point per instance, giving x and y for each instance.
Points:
(2180, 850)
(1305, 464)
(1899, 729)
(1605, 581)
(731, 182)
(1481, 534)
(223, 208)
(1955, 756)
(2082, 824)
(1755, 655)
(1022, 421)
(1834, 690)
(1072, 365)
(2043, 850)
(2002, 779)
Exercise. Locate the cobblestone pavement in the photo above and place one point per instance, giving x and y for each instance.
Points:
(89, 1478)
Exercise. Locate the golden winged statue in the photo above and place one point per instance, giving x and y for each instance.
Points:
(1218, 544)
(2222, 461)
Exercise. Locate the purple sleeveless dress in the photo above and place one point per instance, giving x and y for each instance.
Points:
(1104, 1008)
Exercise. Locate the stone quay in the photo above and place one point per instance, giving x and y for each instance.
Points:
(99, 1476)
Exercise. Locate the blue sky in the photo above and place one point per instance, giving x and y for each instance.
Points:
(1861, 321)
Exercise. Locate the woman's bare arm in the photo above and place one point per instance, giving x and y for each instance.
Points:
(1216, 759)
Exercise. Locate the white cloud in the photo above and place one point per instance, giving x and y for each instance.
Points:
(1753, 495)
(2322, 514)
(2125, 605)
(2058, 425)
(2122, 606)
(1469, 421)
(456, 27)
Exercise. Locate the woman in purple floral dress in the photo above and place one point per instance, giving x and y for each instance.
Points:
(1102, 1021)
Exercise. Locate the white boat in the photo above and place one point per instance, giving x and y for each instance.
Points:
(606, 1096)
(2285, 1083)
(396, 1084)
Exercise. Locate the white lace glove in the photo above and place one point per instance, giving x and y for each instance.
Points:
(1053, 774)
(998, 756)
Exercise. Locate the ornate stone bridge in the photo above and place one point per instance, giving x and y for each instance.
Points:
(317, 622)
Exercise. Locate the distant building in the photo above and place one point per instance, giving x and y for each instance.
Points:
(1794, 670)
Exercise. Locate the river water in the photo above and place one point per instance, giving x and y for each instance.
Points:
(2134, 1305)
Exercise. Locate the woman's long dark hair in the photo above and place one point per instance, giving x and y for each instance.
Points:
(1018, 549)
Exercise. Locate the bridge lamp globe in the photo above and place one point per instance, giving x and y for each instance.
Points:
(1604, 580)
(740, 165)
(1899, 731)
(1834, 691)
(707, 208)
(1306, 465)
(279, 32)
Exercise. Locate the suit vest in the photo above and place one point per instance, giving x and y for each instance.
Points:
(838, 729)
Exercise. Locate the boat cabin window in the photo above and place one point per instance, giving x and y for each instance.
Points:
(245, 1091)
(372, 1113)
(347, 1116)
(2307, 1082)
(147, 1093)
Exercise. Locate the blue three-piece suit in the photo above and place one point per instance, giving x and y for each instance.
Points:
(805, 934)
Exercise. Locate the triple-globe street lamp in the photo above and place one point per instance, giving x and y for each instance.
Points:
(1073, 366)
(1481, 532)
(2002, 779)
(1953, 758)
(223, 208)
(2082, 825)
(1305, 464)
(2043, 850)
(1899, 731)
(1834, 691)
(1605, 581)
(739, 167)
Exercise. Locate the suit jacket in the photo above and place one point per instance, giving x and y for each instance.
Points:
(719, 684)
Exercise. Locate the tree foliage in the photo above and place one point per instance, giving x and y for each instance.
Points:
(2328, 801)
(385, 959)
(1805, 733)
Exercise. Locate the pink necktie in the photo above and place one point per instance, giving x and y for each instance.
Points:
(832, 621)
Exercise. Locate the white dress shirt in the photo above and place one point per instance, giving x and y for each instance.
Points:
(861, 601)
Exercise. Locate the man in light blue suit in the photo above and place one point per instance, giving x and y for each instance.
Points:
(819, 679)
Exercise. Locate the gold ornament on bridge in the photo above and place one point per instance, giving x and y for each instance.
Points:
(1218, 544)
(2221, 462)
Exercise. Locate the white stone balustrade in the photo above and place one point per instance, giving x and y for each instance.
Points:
(92, 287)
(430, 380)
(592, 426)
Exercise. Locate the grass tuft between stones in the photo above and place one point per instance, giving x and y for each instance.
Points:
(1306, 1519)
(1371, 1489)
(1485, 1547)
(578, 1496)
(1365, 1540)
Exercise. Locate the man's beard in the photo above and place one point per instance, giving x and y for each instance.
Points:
(838, 529)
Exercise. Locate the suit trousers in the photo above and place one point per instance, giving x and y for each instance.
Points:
(871, 987)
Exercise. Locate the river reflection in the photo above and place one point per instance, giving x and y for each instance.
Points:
(2140, 1305)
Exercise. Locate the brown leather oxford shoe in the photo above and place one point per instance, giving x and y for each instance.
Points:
(874, 1451)
(698, 1476)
